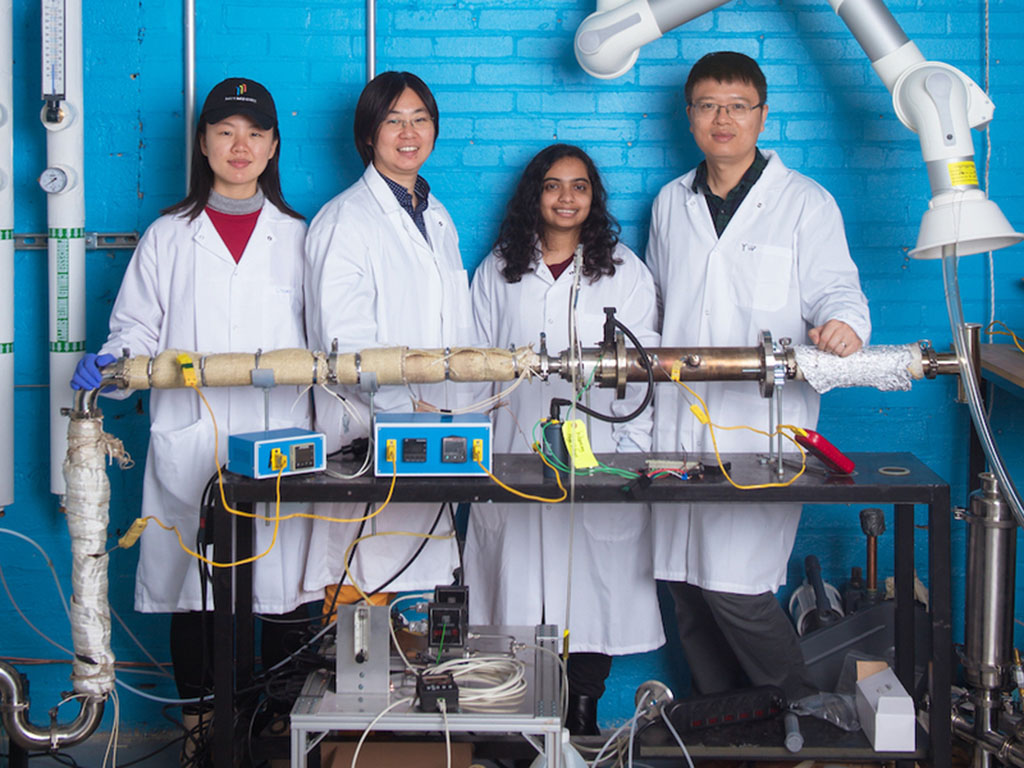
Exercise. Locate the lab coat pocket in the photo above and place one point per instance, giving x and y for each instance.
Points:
(613, 522)
(182, 459)
(772, 265)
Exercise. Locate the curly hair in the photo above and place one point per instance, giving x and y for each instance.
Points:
(523, 226)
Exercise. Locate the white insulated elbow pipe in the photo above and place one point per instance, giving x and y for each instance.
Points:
(65, 214)
(6, 257)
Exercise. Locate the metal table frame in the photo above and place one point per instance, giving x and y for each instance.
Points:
(317, 711)
(234, 650)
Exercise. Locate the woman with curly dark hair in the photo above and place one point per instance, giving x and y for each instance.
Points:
(516, 559)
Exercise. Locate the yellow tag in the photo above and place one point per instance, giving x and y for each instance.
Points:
(576, 443)
(699, 413)
(677, 368)
(963, 173)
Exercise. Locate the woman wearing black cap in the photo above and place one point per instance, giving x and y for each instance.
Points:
(220, 271)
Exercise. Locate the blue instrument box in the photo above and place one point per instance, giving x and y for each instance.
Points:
(431, 444)
(257, 454)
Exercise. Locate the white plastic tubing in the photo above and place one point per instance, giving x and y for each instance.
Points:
(6, 257)
(65, 214)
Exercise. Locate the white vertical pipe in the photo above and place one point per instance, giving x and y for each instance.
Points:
(6, 256)
(371, 39)
(65, 213)
(189, 33)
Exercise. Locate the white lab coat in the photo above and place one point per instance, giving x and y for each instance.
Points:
(516, 554)
(183, 290)
(782, 264)
(373, 281)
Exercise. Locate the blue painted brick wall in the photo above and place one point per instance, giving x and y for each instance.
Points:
(507, 85)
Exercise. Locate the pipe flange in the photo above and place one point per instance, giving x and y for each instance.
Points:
(931, 368)
(202, 370)
(359, 368)
(447, 363)
(149, 372)
(768, 365)
(621, 365)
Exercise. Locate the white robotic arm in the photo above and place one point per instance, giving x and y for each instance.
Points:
(937, 101)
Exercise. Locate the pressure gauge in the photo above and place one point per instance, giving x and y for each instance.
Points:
(53, 180)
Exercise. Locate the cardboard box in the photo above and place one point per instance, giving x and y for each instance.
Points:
(384, 754)
(886, 711)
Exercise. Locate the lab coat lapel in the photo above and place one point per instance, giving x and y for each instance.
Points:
(212, 266)
(389, 204)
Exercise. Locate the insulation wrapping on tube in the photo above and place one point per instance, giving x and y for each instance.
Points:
(888, 368)
(87, 501)
(393, 365)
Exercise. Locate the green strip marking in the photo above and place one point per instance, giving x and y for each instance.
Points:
(67, 346)
(6, 234)
(65, 233)
(6, 347)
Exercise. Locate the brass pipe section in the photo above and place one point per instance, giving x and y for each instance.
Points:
(612, 366)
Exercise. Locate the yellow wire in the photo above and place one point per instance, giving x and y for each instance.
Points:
(1007, 332)
(244, 561)
(256, 515)
(520, 494)
(714, 442)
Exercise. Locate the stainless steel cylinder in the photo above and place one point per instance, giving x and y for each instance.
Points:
(991, 570)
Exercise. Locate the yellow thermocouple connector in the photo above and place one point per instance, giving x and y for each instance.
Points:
(188, 372)
(278, 461)
(391, 451)
(478, 450)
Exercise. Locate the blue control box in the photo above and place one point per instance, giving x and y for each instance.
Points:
(431, 444)
(258, 454)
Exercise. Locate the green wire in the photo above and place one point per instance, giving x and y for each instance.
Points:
(440, 648)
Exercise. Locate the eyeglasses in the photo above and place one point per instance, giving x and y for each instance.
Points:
(737, 110)
(420, 123)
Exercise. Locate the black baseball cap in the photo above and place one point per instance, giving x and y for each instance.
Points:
(240, 96)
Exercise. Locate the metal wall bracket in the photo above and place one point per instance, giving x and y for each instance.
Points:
(103, 241)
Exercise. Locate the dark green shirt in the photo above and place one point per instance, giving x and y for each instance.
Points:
(722, 210)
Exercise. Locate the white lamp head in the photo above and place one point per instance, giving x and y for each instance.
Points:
(969, 220)
(608, 42)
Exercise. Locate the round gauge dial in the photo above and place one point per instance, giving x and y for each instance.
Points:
(53, 180)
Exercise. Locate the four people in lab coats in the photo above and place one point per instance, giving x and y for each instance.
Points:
(739, 244)
(517, 555)
(220, 271)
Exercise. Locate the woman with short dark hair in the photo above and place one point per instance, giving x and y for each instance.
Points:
(384, 269)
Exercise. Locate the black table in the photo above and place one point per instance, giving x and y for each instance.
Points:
(234, 650)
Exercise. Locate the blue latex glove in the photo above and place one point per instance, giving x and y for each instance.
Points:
(88, 375)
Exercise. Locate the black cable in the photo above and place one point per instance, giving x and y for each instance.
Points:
(154, 753)
(645, 361)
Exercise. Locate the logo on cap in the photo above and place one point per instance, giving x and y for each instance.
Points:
(240, 89)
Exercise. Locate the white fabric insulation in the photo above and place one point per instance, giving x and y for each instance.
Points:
(884, 367)
(87, 502)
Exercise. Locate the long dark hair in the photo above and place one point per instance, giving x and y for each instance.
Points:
(201, 181)
(375, 103)
(516, 245)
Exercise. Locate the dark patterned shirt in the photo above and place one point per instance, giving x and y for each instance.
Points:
(722, 210)
(405, 200)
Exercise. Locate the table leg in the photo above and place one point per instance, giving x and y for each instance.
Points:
(224, 641)
(940, 589)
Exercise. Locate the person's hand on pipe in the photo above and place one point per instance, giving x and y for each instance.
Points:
(836, 337)
(88, 374)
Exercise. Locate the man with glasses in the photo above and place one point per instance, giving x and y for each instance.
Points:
(737, 245)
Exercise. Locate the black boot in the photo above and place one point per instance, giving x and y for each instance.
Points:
(581, 719)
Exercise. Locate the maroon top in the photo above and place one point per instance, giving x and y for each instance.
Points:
(234, 229)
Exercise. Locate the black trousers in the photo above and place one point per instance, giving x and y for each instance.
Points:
(736, 641)
(192, 647)
(587, 673)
